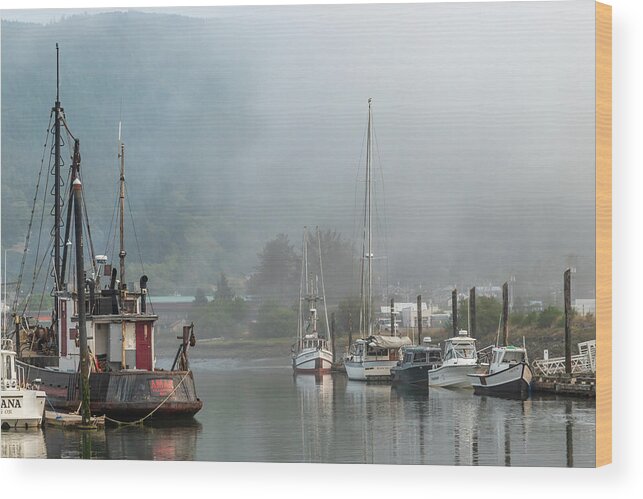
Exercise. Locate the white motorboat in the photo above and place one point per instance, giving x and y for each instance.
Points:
(21, 405)
(312, 353)
(509, 373)
(459, 360)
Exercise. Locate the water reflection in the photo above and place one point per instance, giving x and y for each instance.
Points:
(149, 442)
(266, 414)
(315, 393)
(23, 443)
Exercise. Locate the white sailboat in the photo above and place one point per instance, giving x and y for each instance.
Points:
(21, 405)
(312, 353)
(372, 356)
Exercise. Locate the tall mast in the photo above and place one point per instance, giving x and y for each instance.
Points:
(122, 253)
(57, 110)
(369, 295)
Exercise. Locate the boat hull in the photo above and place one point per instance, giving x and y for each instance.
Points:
(415, 376)
(21, 408)
(374, 370)
(452, 376)
(515, 381)
(313, 361)
(123, 395)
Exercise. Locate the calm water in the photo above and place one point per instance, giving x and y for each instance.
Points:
(260, 412)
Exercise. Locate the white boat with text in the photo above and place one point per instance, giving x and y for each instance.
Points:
(22, 405)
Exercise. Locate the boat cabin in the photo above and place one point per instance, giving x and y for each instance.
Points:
(421, 355)
(506, 357)
(460, 347)
(8, 369)
(379, 347)
(313, 342)
(120, 330)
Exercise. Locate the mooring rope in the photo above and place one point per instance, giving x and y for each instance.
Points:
(139, 421)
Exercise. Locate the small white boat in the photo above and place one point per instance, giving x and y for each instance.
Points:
(459, 360)
(312, 353)
(509, 374)
(373, 357)
(21, 405)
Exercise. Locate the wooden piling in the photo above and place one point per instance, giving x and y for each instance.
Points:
(419, 315)
(505, 314)
(567, 285)
(472, 311)
(454, 311)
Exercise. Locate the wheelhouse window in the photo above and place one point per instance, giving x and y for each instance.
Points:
(513, 356)
(465, 351)
(419, 358)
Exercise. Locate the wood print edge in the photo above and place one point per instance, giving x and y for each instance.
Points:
(603, 234)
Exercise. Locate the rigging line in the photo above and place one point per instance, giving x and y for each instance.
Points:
(385, 224)
(92, 253)
(42, 295)
(37, 274)
(33, 209)
(64, 121)
(321, 272)
(111, 223)
(138, 246)
(355, 216)
(42, 218)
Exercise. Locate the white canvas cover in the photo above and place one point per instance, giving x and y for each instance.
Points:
(389, 341)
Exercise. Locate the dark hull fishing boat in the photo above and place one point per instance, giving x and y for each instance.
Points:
(100, 335)
(413, 370)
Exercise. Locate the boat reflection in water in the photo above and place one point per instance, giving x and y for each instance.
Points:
(153, 441)
(316, 397)
(27, 443)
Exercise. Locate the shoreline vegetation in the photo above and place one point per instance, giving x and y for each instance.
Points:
(248, 347)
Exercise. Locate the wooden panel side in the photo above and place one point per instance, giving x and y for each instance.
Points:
(603, 234)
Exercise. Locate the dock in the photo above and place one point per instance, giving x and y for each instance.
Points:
(67, 420)
(581, 385)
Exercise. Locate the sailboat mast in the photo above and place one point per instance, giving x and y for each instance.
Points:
(57, 110)
(122, 253)
(369, 296)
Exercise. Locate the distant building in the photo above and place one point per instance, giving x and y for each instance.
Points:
(584, 306)
(405, 314)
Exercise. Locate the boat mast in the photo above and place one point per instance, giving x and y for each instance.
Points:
(57, 110)
(369, 294)
(80, 290)
(122, 253)
(329, 330)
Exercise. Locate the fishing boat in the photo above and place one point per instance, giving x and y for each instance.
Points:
(371, 356)
(97, 320)
(415, 365)
(508, 374)
(312, 353)
(459, 360)
(22, 405)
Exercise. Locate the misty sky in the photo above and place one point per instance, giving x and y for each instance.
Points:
(484, 122)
